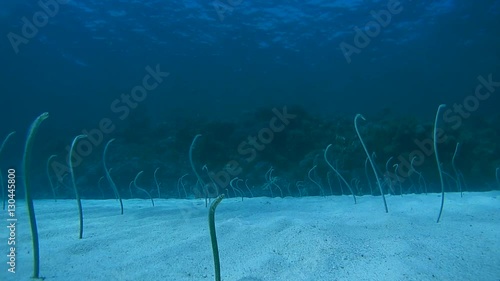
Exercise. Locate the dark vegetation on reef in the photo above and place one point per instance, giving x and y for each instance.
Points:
(292, 162)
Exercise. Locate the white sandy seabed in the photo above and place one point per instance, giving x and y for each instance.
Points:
(263, 239)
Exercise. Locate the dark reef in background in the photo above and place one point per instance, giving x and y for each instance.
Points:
(146, 144)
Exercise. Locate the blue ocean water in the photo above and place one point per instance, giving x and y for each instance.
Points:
(154, 74)
(179, 102)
